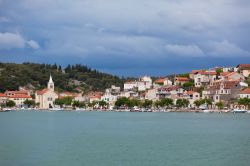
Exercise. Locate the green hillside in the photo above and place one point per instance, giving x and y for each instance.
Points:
(36, 76)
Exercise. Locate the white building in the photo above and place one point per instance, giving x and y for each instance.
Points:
(203, 78)
(245, 93)
(151, 94)
(130, 85)
(19, 99)
(109, 97)
(46, 97)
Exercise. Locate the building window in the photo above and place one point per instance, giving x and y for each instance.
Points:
(50, 99)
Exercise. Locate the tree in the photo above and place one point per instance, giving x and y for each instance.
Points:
(29, 103)
(188, 85)
(102, 103)
(133, 102)
(219, 105)
(167, 102)
(147, 103)
(59, 102)
(10, 103)
(75, 104)
(158, 103)
(121, 102)
(182, 103)
(207, 101)
(244, 101)
(198, 103)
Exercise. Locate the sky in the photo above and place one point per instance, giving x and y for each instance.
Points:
(127, 37)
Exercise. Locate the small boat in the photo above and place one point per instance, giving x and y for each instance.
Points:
(207, 111)
(56, 109)
(239, 111)
(5, 110)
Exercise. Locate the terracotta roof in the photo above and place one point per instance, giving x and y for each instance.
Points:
(207, 72)
(195, 71)
(245, 91)
(2, 95)
(160, 80)
(16, 92)
(181, 79)
(41, 92)
(227, 84)
(224, 73)
(244, 66)
(189, 92)
(20, 96)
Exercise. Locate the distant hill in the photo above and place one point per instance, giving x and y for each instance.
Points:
(66, 79)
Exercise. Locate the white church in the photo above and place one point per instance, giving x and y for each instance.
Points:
(47, 96)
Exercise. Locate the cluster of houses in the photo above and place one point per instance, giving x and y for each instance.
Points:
(221, 84)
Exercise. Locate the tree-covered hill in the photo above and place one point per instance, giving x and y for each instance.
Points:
(36, 75)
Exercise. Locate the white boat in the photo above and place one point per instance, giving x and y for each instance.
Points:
(6, 109)
(239, 111)
(56, 109)
(207, 111)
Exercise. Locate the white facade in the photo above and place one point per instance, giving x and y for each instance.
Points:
(244, 95)
(130, 85)
(46, 97)
(19, 101)
(151, 94)
(200, 79)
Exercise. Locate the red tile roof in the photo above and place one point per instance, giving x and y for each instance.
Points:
(41, 92)
(20, 96)
(224, 73)
(244, 66)
(181, 79)
(160, 80)
(195, 71)
(245, 91)
(189, 92)
(16, 92)
(2, 95)
(207, 72)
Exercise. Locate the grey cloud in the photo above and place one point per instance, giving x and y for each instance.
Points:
(14, 40)
(184, 50)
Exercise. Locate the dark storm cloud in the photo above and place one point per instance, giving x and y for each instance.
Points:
(142, 36)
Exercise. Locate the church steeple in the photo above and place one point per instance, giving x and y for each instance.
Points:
(50, 84)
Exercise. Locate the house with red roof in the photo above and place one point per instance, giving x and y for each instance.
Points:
(231, 76)
(244, 69)
(19, 99)
(203, 78)
(20, 92)
(170, 92)
(245, 93)
(180, 80)
(46, 97)
(222, 90)
(162, 82)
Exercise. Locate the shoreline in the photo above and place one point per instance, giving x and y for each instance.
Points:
(128, 110)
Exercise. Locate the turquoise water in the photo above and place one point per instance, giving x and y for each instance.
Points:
(124, 139)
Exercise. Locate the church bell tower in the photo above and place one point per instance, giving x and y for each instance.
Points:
(50, 84)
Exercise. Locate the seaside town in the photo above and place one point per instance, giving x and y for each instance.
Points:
(219, 89)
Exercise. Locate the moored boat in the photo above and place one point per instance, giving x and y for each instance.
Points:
(239, 111)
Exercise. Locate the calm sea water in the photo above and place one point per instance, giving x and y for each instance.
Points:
(124, 139)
